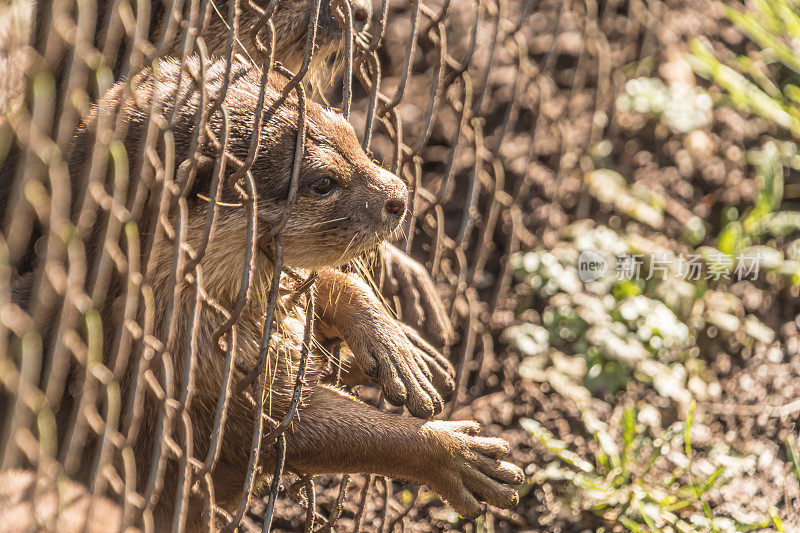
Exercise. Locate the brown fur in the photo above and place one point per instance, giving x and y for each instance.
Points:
(332, 432)
(290, 21)
(406, 280)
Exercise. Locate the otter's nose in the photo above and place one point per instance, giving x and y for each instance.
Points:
(362, 13)
(361, 10)
(394, 192)
(396, 206)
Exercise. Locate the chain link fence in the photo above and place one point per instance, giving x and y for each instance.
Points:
(486, 108)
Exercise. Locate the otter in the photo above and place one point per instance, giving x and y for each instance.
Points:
(345, 204)
(290, 20)
(407, 282)
(411, 371)
(406, 279)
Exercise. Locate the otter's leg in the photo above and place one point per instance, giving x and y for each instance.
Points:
(336, 433)
(410, 371)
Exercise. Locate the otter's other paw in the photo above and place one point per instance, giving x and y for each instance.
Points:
(467, 468)
(420, 302)
(411, 372)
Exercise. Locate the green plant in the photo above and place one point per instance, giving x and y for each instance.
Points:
(644, 477)
(774, 25)
(766, 84)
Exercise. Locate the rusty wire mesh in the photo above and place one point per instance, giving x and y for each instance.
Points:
(460, 98)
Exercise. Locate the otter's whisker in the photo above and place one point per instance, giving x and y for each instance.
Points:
(361, 269)
(347, 249)
(325, 222)
(222, 204)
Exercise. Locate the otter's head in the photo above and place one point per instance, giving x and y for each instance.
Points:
(345, 203)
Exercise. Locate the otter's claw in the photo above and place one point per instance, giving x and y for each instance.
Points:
(443, 377)
(411, 372)
(469, 469)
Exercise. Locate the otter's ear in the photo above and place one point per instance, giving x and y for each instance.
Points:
(205, 173)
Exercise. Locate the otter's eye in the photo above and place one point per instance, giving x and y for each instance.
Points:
(323, 186)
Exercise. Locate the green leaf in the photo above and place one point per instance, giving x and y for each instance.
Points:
(731, 240)
(770, 186)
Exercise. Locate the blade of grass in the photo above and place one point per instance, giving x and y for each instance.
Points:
(791, 451)
(742, 91)
(631, 525)
(687, 432)
(763, 38)
(555, 446)
(647, 518)
(687, 442)
(776, 520)
(628, 437)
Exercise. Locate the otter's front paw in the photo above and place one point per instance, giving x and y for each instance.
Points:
(411, 372)
(467, 469)
(419, 301)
